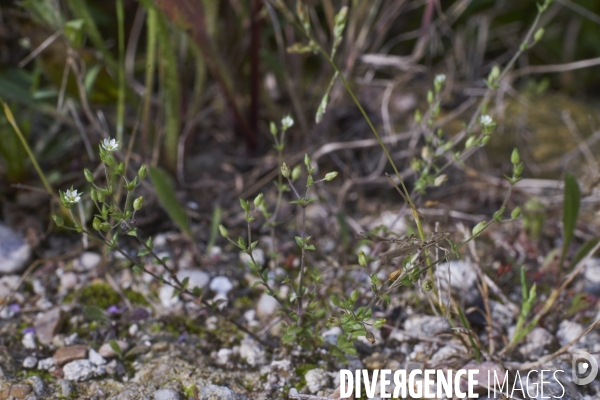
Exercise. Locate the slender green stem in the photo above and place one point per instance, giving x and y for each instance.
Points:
(13, 123)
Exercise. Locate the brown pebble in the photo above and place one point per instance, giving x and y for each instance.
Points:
(107, 352)
(18, 391)
(160, 346)
(48, 325)
(70, 353)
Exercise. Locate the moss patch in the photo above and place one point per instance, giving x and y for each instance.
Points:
(100, 295)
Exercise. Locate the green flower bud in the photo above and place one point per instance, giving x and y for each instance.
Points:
(142, 171)
(96, 224)
(258, 200)
(379, 322)
(273, 128)
(88, 175)
(296, 172)
(440, 180)
(427, 285)
(418, 116)
(138, 203)
(478, 228)
(470, 142)
(58, 220)
(306, 160)
(516, 213)
(223, 231)
(538, 35)
(330, 176)
(429, 96)
(362, 259)
(515, 158)
(285, 170)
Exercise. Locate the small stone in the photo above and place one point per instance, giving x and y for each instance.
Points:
(426, 325)
(257, 253)
(486, 372)
(30, 362)
(221, 284)
(48, 325)
(316, 379)
(197, 278)
(68, 281)
(160, 346)
(252, 352)
(70, 353)
(214, 392)
(166, 394)
(8, 285)
(165, 294)
(568, 331)
(46, 364)
(280, 373)
(592, 270)
(18, 391)
(66, 388)
(38, 384)
(267, 305)
(133, 330)
(59, 340)
(29, 341)
(87, 261)
(106, 350)
(222, 356)
(95, 358)
(81, 370)
(374, 361)
(14, 251)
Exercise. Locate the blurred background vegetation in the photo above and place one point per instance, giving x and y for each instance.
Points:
(191, 85)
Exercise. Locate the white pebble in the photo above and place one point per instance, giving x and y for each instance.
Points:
(221, 284)
(30, 362)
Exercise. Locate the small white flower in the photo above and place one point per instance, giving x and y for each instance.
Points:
(485, 120)
(286, 122)
(72, 196)
(111, 145)
(440, 79)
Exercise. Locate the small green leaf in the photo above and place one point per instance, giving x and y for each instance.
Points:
(583, 251)
(478, 228)
(116, 348)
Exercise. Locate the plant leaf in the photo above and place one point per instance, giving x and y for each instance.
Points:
(583, 251)
(572, 199)
(169, 201)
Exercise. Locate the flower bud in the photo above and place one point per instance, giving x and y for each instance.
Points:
(427, 285)
(296, 172)
(258, 200)
(142, 171)
(330, 176)
(273, 128)
(538, 34)
(58, 220)
(88, 175)
(515, 158)
(285, 170)
(362, 259)
(516, 213)
(138, 203)
(223, 231)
